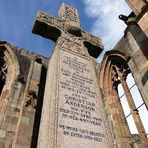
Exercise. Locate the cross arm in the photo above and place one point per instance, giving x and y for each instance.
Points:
(93, 43)
(47, 26)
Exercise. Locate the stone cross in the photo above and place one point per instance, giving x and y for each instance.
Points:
(66, 25)
(72, 112)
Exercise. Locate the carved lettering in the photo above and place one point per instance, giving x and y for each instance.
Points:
(78, 100)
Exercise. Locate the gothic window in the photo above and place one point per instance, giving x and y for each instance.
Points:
(3, 73)
(133, 106)
(139, 103)
(126, 106)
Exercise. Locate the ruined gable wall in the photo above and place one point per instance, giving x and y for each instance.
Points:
(22, 104)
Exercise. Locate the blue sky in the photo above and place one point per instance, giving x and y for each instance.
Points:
(99, 17)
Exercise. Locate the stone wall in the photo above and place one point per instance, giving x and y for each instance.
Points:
(133, 47)
(21, 98)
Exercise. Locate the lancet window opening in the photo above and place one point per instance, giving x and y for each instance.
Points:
(140, 105)
(121, 77)
(3, 73)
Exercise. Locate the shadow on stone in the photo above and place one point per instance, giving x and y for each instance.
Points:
(144, 78)
(39, 108)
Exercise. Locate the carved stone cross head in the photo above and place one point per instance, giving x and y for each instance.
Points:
(67, 23)
(70, 16)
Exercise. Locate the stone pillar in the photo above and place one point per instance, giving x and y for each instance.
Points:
(138, 45)
(29, 106)
(134, 111)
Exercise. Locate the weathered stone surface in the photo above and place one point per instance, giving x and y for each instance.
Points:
(76, 113)
(136, 5)
(143, 23)
(12, 104)
(11, 119)
(2, 134)
(21, 146)
(67, 24)
(25, 120)
(79, 115)
(75, 98)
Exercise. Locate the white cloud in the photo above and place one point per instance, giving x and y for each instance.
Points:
(111, 29)
(106, 24)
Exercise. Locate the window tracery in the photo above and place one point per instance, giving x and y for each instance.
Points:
(119, 73)
(3, 73)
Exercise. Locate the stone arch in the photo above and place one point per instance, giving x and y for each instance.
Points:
(113, 106)
(110, 56)
(114, 71)
(13, 70)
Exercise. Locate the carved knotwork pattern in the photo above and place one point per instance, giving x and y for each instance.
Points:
(92, 39)
(43, 17)
(71, 14)
(75, 48)
(74, 44)
(69, 27)
(31, 100)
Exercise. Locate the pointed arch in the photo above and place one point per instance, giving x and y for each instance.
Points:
(109, 57)
(13, 70)
(114, 71)
(120, 128)
(115, 111)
